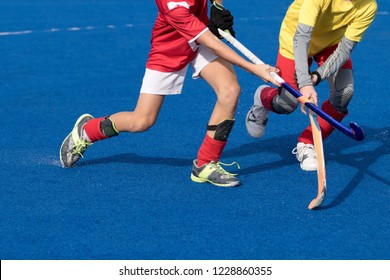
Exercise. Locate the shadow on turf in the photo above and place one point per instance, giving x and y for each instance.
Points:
(338, 148)
(137, 159)
(361, 160)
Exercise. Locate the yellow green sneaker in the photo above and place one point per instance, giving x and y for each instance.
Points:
(213, 173)
(73, 147)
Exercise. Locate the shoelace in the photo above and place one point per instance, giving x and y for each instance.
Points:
(303, 151)
(223, 171)
(80, 147)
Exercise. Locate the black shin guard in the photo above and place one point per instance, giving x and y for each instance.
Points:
(107, 127)
(222, 130)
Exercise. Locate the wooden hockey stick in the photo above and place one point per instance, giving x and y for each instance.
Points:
(355, 132)
(321, 172)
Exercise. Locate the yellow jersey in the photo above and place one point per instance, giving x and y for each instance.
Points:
(330, 19)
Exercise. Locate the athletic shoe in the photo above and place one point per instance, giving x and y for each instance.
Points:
(74, 146)
(213, 173)
(306, 155)
(257, 116)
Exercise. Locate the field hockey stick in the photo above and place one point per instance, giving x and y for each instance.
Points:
(355, 132)
(321, 171)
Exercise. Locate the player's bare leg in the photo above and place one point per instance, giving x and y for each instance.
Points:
(143, 117)
(207, 168)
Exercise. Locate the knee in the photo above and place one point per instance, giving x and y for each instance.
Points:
(228, 95)
(341, 89)
(340, 100)
(290, 107)
(285, 106)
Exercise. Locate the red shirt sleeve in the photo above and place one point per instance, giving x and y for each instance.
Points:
(177, 26)
(185, 23)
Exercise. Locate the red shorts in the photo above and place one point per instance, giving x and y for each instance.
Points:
(287, 66)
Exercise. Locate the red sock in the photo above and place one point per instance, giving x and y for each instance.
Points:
(326, 129)
(210, 150)
(92, 128)
(266, 96)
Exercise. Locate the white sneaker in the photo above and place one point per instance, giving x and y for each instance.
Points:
(306, 155)
(257, 116)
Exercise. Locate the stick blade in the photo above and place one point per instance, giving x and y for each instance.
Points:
(358, 132)
(321, 171)
(317, 202)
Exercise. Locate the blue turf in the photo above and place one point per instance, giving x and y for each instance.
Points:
(131, 197)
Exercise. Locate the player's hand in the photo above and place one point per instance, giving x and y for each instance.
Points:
(220, 18)
(310, 93)
(263, 71)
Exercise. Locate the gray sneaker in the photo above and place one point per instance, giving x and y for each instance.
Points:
(257, 116)
(74, 146)
(213, 173)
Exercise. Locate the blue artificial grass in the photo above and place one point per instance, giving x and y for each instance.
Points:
(131, 197)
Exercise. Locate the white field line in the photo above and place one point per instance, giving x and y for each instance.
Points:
(75, 28)
(109, 26)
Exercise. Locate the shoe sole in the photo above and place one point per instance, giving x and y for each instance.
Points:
(70, 135)
(199, 180)
(307, 169)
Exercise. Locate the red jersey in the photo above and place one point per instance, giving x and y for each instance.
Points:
(178, 25)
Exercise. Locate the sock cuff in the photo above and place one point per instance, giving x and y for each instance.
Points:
(92, 129)
(210, 150)
(267, 96)
(328, 108)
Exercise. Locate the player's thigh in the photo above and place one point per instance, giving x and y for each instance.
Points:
(220, 75)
